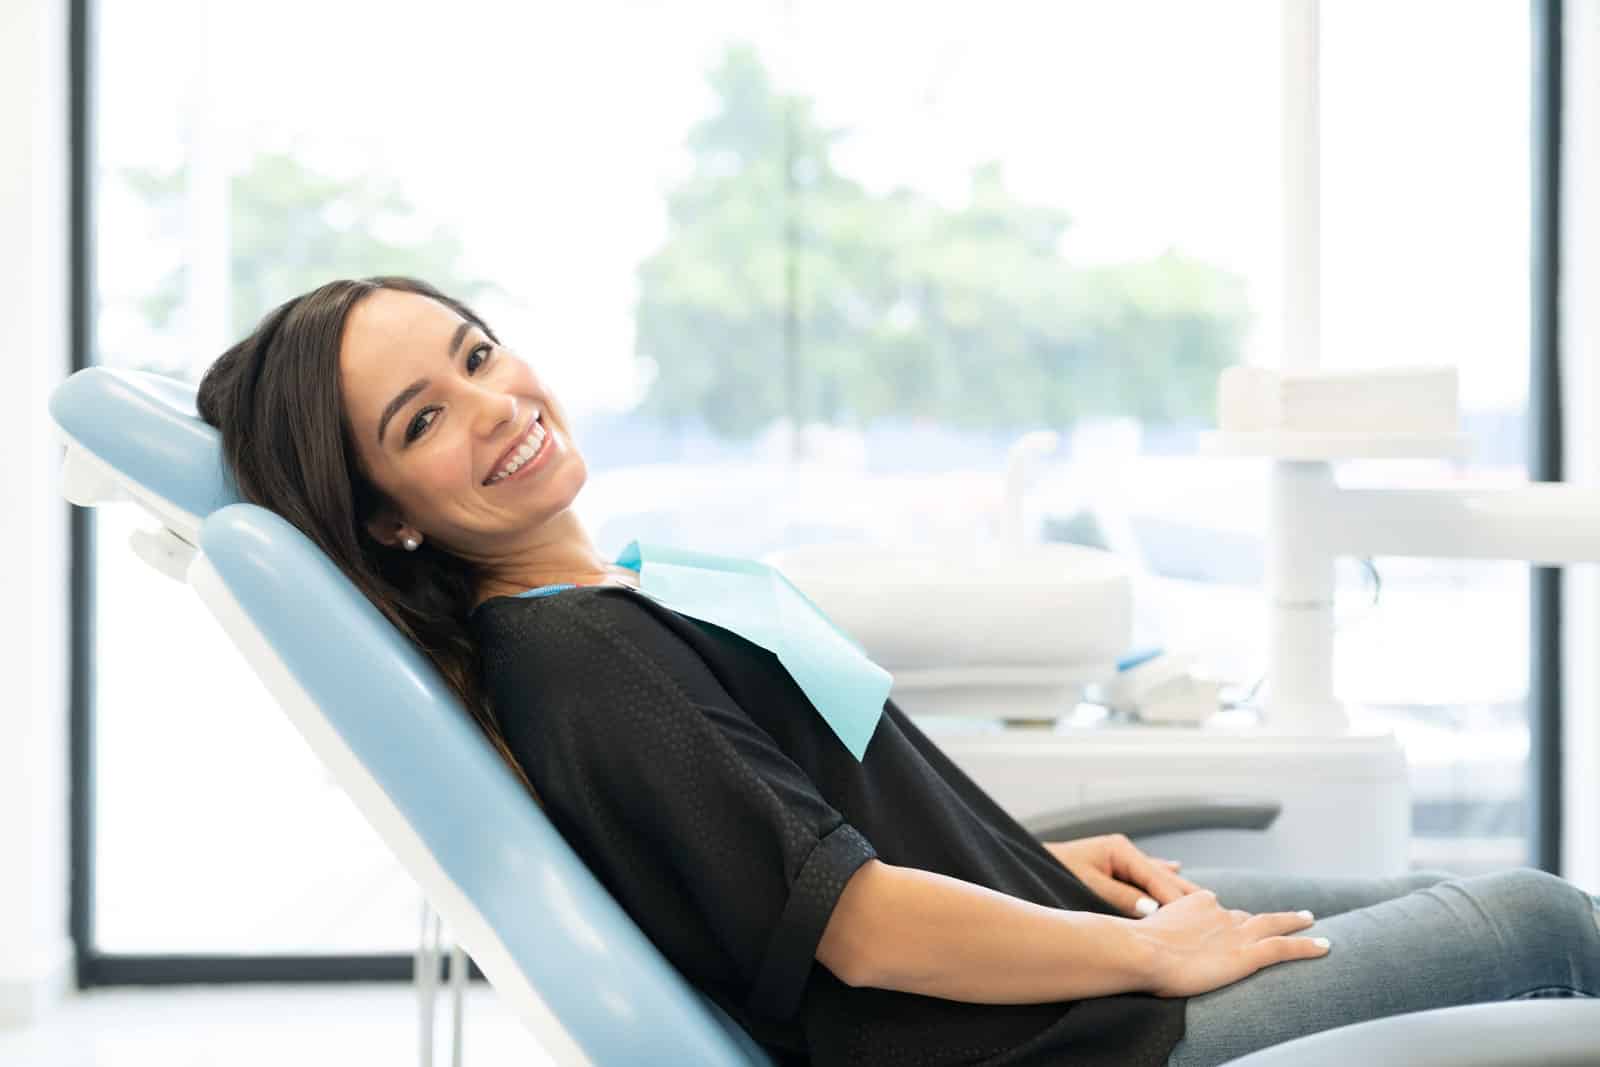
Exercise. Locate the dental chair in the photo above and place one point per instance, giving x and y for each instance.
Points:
(555, 945)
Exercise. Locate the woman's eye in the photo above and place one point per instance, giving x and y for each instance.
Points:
(425, 417)
(417, 425)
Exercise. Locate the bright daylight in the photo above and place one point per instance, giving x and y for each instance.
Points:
(803, 533)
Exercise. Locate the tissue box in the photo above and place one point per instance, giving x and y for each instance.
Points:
(1380, 400)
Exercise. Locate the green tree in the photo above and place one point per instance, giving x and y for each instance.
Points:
(291, 230)
(784, 287)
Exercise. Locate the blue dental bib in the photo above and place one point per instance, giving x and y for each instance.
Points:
(758, 603)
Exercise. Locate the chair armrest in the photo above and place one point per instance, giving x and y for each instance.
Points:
(1154, 815)
(1552, 1032)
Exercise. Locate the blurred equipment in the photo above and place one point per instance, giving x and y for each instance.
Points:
(1156, 686)
(1313, 520)
(995, 651)
(1384, 400)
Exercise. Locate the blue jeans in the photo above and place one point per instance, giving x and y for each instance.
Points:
(1429, 939)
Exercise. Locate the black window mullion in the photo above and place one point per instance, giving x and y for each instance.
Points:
(1545, 460)
(80, 522)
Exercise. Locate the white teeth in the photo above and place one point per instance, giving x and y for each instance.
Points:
(524, 452)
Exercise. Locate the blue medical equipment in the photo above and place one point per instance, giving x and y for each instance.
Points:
(566, 959)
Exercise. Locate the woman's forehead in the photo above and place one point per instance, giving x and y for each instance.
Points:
(391, 338)
(396, 326)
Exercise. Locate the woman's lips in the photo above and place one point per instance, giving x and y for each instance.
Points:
(511, 449)
(537, 460)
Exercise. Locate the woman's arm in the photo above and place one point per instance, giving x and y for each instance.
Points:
(918, 932)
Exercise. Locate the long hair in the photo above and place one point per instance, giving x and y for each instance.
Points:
(287, 441)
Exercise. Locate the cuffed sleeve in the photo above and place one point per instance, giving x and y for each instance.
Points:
(781, 980)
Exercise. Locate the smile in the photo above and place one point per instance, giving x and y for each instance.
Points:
(525, 452)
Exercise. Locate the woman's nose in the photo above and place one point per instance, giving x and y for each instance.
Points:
(494, 410)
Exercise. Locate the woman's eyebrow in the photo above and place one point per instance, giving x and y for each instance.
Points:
(404, 396)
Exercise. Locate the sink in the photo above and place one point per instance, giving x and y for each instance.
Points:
(1030, 613)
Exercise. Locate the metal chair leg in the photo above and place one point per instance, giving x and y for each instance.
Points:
(424, 972)
(458, 983)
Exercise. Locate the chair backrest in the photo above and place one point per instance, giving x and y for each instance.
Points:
(556, 945)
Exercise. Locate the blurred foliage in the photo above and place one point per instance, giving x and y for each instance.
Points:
(291, 230)
(785, 287)
(900, 307)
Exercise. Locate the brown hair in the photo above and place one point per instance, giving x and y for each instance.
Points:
(287, 441)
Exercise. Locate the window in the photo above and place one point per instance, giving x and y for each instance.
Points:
(1426, 250)
(796, 284)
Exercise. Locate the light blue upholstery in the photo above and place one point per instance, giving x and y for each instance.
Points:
(145, 425)
(613, 992)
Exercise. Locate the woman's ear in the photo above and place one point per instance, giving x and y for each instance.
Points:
(390, 529)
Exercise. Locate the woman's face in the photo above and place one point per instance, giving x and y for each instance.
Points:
(454, 411)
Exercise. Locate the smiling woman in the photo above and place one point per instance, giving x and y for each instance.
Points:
(694, 776)
(437, 473)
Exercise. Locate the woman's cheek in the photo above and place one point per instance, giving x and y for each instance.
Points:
(442, 471)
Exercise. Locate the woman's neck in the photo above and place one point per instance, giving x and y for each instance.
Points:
(563, 554)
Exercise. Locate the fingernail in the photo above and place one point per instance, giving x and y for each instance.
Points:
(1306, 915)
(1320, 942)
(1145, 906)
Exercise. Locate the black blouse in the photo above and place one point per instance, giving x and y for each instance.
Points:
(688, 769)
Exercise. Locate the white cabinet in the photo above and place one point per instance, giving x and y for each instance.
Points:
(1346, 802)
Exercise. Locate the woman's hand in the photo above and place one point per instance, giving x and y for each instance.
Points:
(1200, 945)
(1117, 871)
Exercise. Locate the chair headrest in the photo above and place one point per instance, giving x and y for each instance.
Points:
(138, 434)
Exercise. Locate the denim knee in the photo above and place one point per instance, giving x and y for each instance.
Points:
(1424, 878)
(1548, 901)
(1542, 930)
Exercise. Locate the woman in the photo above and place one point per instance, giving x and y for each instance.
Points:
(880, 911)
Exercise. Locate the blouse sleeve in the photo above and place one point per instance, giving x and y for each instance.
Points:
(712, 839)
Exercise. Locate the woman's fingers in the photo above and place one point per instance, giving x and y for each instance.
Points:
(1277, 949)
(1125, 898)
(1279, 922)
(1188, 886)
(1207, 945)
(1173, 865)
(1131, 865)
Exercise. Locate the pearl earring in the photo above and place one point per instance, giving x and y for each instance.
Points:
(411, 544)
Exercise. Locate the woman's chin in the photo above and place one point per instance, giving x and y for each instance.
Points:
(552, 491)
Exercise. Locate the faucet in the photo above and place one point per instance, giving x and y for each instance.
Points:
(1018, 456)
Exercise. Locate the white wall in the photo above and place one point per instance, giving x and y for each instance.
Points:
(35, 952)
(1580, 310)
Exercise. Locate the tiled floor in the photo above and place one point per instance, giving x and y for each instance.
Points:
(321, 1025)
